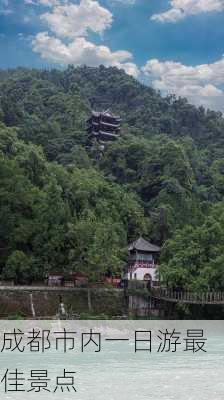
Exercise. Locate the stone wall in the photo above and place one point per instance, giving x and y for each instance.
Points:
(44, 302)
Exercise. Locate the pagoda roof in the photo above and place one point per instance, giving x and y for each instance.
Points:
(106, 113)
(109, 134)
(96, 113)
(110, 125)
(143, 245)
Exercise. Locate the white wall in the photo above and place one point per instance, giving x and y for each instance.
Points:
(141, 272)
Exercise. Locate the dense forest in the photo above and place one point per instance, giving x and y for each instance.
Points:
(67, 205)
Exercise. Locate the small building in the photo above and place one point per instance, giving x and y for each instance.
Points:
(55, 279)
(104, 126)
(67, 280)
(143, 262)
(79, 279)
(69, 283)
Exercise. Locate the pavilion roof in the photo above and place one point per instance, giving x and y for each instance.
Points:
(143, 245)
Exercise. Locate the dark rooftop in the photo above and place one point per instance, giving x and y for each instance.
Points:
(143, 245)
(106, 113)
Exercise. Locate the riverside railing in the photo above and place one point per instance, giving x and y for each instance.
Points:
(210, 297)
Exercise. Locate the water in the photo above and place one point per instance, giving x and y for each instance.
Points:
(117, 372)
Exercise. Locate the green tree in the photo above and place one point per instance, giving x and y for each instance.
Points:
(20, 268)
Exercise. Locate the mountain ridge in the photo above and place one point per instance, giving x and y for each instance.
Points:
(67, 204)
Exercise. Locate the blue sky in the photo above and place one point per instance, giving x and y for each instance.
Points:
(177, 46)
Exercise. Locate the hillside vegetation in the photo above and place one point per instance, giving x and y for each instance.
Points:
(66, 205)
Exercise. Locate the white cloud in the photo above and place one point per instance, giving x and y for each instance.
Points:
(80, 51)
(183, 8)
(71, 20)
(70, 23)
(201, 84)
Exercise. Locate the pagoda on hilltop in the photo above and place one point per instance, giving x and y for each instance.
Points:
(104, 127)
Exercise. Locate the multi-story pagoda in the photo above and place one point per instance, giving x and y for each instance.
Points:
(104, 127)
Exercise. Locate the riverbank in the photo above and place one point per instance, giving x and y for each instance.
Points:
(43, 302)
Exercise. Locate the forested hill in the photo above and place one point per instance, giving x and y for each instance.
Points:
(31, 96)
(67, 206)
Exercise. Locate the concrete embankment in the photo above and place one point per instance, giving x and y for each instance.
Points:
(44, 301)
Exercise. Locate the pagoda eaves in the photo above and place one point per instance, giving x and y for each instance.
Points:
(104, 126)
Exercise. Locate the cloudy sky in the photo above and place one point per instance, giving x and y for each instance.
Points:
(177, 46)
